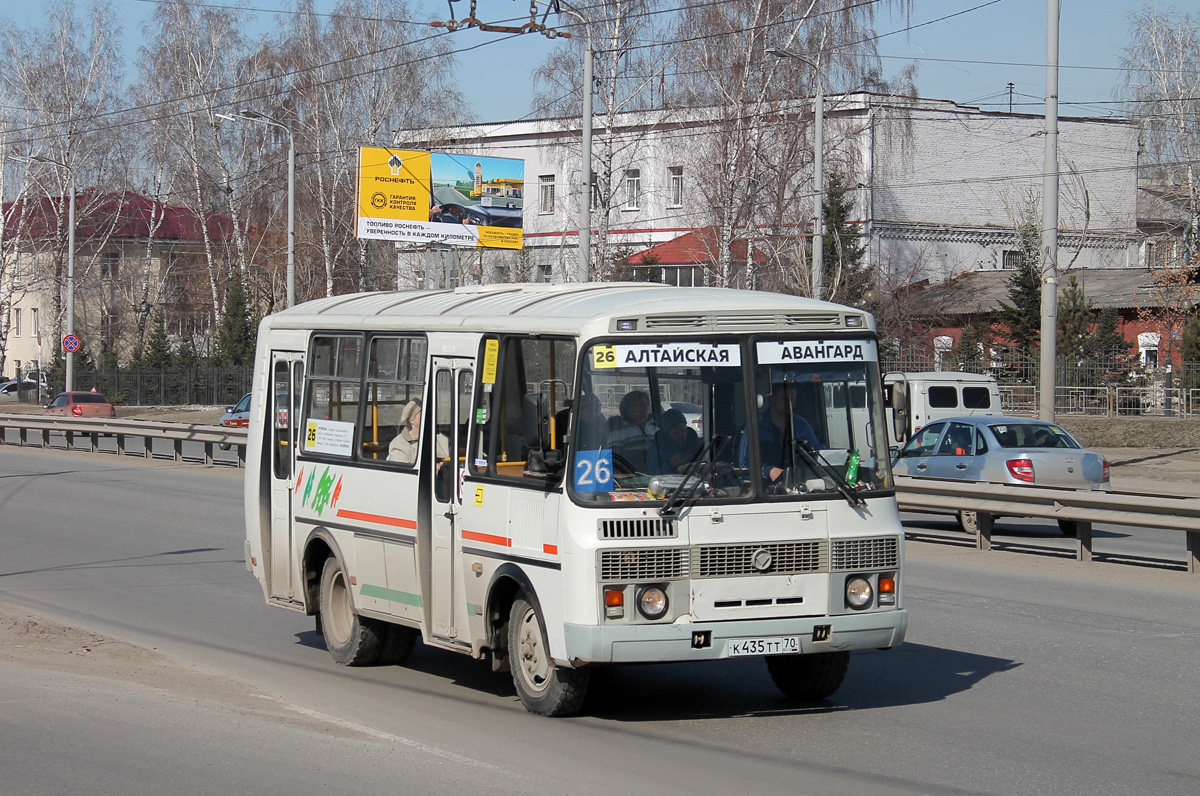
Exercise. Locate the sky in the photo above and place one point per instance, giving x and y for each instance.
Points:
(969, 57)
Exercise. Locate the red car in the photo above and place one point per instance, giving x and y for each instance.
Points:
(80, 404)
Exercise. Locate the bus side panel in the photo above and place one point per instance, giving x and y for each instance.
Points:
(257, 479)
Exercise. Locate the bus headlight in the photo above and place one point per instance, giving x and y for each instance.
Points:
(652, 602)
(859, 593)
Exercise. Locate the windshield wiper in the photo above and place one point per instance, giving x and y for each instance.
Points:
(678, 500)
(815, 460)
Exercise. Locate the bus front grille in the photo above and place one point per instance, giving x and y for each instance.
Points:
(770, 558)
(852, 554)
(662, 563)
(647, 528)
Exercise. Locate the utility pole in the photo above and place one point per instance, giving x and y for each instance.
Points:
(1049, 336)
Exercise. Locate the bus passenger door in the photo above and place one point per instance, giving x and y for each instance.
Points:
(448, 427)
(283, 407)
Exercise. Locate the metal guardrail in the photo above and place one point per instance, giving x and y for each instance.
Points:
(92, 429)
(988, 500)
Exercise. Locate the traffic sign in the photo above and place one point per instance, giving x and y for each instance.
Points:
(70, 343)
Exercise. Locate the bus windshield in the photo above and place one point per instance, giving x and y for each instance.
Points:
(649, 414)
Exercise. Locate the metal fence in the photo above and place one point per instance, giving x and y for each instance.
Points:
(1114, 388)
(200, 386)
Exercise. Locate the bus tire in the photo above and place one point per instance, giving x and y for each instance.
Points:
(398, 644)
(351, 639)
(809, 677)
(543, 687)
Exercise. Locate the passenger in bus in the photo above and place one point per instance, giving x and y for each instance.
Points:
(774, 430)
(403, 447)
(675, 444)
(592, 433)
(632, 433)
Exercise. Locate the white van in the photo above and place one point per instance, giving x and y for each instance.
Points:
(913, 400)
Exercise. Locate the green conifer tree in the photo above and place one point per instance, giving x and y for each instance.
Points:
(236, 334)
(156, 355)
(843, 249)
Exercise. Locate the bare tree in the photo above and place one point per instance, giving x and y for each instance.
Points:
(629, 39)
(65, 77)
(1162, 84)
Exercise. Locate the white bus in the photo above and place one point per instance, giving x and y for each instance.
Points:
(561, 476)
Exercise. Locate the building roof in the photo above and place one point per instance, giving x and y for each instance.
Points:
(698, 247)
(127, 214)
(977, 292)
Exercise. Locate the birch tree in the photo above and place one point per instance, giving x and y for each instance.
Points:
(1162, 84)
(629, 72)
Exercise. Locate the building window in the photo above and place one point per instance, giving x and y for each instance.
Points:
(545, 273)
(633, 189)
(679, 275)
(1011, 260)
(36, 328)
(675, 175)
(546, 189)
(16, 323)
(109, 265)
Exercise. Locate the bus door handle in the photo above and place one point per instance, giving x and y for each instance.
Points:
(449, 514)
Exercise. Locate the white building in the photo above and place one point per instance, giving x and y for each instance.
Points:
(937, 187)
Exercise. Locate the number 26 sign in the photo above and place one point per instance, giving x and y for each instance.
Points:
(593, 471)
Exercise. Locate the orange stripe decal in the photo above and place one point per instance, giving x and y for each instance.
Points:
(550, 549)
(396, 522)
(502, 541)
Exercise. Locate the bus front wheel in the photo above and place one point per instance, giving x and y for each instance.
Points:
(351, 639)
(809, 677)
(543, 687)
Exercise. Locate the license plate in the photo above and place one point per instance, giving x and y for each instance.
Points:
(772, 645)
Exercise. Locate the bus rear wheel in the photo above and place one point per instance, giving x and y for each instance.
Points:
(543, 687)
(351, 639)
(809, 677)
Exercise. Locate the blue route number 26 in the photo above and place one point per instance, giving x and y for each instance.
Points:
(593, 471)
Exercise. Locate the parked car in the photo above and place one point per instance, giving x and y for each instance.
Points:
(236, 417)
(1005, 450)
(80, 404)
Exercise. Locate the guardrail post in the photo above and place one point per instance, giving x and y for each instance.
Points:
(120, 444)
(45, 438)
(95, 442)
(70, 437)
(1193, 552)
(178, 450)
(148, 447)
(983, 530)
(1083, 540)
(208, 454)
(24, 441)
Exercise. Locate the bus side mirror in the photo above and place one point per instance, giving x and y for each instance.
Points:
(536, 417)
(535, 412)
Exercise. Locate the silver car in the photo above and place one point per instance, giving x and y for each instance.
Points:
(1004, 450)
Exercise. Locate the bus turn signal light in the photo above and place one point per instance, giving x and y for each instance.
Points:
(614, 602)
(887, 589)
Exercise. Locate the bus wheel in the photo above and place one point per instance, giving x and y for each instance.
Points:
(809, 677)
(398, 644)
(351, 639)
(544, 688)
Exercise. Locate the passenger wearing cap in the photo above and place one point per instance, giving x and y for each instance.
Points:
(675, 444)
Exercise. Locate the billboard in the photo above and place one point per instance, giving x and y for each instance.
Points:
(440, 197)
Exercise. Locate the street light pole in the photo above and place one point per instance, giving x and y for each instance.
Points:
(254, 116)
(818, 257)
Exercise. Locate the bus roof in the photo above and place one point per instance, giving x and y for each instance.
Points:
(590, 308)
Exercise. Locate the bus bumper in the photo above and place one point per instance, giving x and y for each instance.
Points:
(702, 641)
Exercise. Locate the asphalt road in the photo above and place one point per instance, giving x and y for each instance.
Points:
(1025, 672)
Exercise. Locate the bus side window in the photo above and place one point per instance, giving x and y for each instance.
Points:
(395, 376)
(525, 365)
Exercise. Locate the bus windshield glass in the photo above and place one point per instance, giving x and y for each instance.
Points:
(651, 415)
(817, 428)
(648, 411)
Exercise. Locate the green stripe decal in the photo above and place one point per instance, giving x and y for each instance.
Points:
(379, 592)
